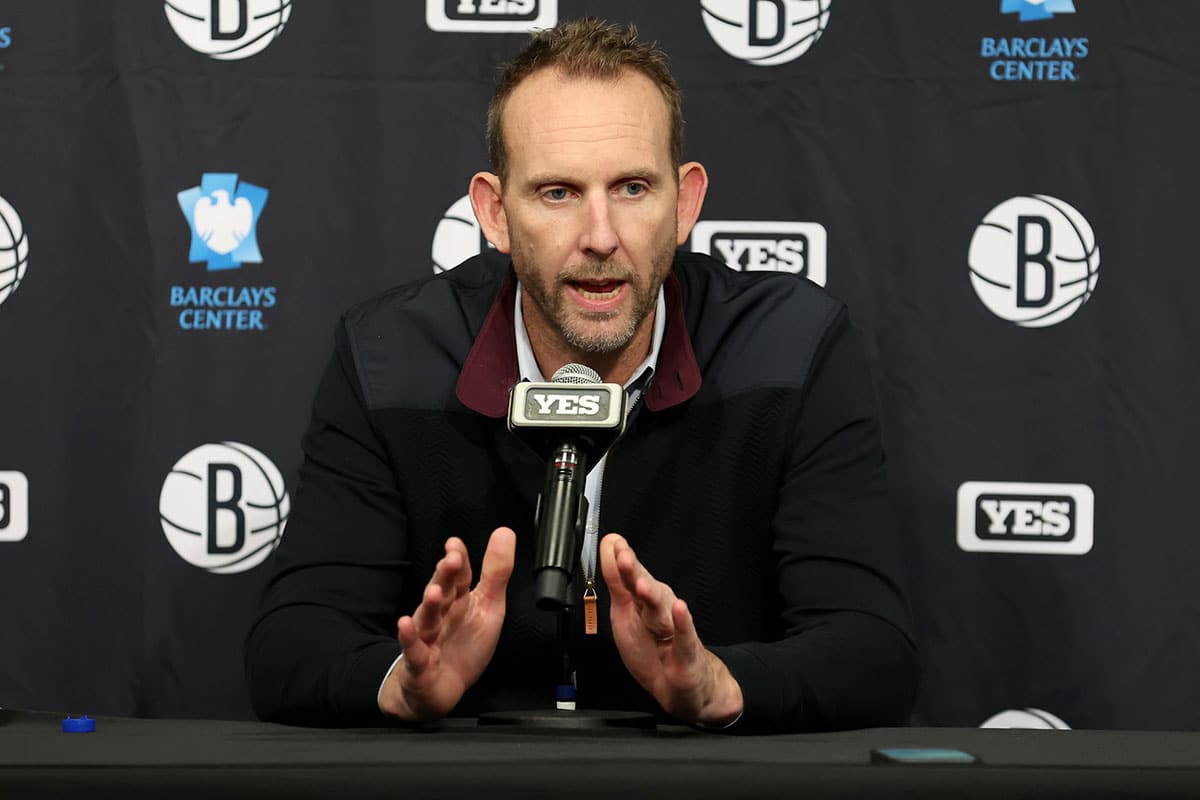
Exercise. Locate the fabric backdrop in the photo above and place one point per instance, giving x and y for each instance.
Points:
(1003, 191)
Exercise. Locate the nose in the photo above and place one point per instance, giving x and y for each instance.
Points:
(599, 238)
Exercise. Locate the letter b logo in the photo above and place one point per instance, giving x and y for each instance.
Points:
(223, 507)
(1034, 261)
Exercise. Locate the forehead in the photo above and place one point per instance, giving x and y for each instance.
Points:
(554, 117)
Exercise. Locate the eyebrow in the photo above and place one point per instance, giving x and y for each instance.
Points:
(637, 173)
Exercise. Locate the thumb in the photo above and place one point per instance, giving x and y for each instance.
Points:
(498, 562)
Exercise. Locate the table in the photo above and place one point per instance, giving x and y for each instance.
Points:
(207, 758)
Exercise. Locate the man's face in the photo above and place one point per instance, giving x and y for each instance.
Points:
(590, 200)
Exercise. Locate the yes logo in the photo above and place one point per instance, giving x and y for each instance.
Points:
(490, 16)
(586, 404)
(996, 517)
(14, 506)
(746, 246)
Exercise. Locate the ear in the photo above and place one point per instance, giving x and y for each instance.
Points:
(693, 185)
(489, 209)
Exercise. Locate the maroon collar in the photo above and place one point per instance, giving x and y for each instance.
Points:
(491, 367)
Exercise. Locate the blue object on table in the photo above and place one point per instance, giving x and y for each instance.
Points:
(84, 724)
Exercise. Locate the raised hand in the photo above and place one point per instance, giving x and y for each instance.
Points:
(658, 642)
(450, 638)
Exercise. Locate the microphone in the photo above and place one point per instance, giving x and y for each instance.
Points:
(570, 421)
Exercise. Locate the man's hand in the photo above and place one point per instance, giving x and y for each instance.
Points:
(660, 647)
(451, 637)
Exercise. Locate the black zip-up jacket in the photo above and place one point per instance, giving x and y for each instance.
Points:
(750, 479)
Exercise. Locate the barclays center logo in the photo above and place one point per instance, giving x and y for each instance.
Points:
(228, 30)
(1029, 10)
(1030, 57)
(222, 214)
(5, 40)
(765, 32)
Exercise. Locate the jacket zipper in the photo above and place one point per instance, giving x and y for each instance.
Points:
(591, 536)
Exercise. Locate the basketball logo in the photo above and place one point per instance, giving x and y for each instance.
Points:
(1034, 260)
(228, 29)
(14, 250)
(1026, 718)
(457, 236)
(765, 32)
(223, 507)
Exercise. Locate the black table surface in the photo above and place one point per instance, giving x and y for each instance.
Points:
(208, 758)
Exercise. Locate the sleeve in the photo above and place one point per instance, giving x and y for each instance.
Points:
(848, 659)
(325, 634)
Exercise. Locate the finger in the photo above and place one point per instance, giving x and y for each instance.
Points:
(449, 571)
(416, 652)
(461, 579)
(608, 568)
(498, 562)
(630, 569)
(649, 594)
(427, 619)
(654, 600)
(687, 642)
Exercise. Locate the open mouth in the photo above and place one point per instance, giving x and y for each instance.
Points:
(598, 291)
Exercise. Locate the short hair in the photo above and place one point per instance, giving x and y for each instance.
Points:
(586, 48)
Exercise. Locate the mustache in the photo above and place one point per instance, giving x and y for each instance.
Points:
(607, 270)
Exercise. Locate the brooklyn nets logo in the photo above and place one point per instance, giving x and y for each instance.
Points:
(457, 237)
(223, 507)
(1034, 260)
(765, 32)
(1028, 718)
(228, 29)
(14, 250)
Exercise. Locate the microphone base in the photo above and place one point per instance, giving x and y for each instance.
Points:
(552, 721)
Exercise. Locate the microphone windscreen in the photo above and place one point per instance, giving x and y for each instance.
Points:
(575, 373)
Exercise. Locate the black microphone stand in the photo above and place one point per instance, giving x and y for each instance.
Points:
(560, 518)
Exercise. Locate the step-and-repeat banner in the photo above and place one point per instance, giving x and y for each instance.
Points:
(1003, 191)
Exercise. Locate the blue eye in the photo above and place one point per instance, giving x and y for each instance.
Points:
(558, 193)
(635, 189)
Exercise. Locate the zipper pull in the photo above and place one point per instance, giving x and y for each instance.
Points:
(590, 625)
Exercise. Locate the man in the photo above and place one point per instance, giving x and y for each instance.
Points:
(751, 584)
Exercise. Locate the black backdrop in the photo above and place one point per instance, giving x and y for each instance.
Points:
(1004, 192)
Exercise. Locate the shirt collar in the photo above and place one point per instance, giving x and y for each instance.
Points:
(527, 362)
(490, 369)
